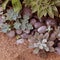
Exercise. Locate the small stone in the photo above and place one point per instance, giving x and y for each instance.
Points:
(28, 11)
(37, 25)
(50, 22)
(50, 43)
(24, 36)
(20, 41)
(58, 36)
(19, 31)
(51, 49)
(59, 44)
(53, 36)
(27, 31)
(57, 50)
(33, 21)
(11, 34)
(1, 9)
(42, 29)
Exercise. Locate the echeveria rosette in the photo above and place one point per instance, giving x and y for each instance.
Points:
(11, 15)
(25, 23)
(40, 42)
(17, 25)
(5, 27)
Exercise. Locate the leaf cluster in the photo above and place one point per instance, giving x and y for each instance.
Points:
(43, 7)
(23, 24)
(14, 21)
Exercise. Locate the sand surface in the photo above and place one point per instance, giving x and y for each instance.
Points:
(10, 51)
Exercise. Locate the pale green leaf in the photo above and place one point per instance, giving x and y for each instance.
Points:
(45, 12)
(40, 14)
(50, 12)
(4, 4)
(57, 2)
(16, 5)
(40, 1)
(43, 7)
(34, 9)
(55, 10)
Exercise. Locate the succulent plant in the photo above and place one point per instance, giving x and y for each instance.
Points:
(42, 33)
(49, 29)
(5, 27)
(17, 25)
(25, 23)
(40, 42)
(11, 15)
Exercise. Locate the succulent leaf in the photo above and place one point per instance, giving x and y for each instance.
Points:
(11, 15)
(17, 25)
(5, 28)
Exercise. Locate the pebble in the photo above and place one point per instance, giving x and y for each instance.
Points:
(57, 49)
(20, 41)
(42, 29)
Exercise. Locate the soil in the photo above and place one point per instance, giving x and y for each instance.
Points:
(10, 51)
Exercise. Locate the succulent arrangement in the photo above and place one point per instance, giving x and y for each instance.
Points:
(41, 30)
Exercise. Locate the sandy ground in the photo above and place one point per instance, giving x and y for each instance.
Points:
(10, 51)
